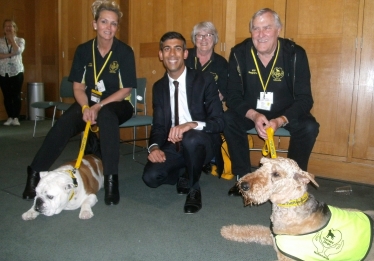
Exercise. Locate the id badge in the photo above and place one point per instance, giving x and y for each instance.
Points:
(263, 105)
(100, 86)
(267, 96)
(95, 96)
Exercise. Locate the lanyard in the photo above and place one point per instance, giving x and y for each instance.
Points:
(204, 66)
(259, 73)
(9, 48)
(96, 77)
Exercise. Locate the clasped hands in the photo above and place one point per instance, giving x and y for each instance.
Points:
(262, 123)
(90, 113)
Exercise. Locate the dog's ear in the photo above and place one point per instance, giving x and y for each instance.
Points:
(264, 160)
(306, 177)
(43, 173)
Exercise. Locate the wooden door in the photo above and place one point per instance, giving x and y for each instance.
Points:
(328, 30)
(363, 114)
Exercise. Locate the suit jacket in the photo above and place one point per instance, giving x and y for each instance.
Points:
(203, 103)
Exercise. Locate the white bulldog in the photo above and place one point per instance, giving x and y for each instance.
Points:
(62, 189)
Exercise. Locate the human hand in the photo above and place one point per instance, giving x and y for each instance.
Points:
(261, 124)
(10, 36)
(156, 156)
(90, 113)
(176, 133)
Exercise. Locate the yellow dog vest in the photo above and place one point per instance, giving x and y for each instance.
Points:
(347, 236)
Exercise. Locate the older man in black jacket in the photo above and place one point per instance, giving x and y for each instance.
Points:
(269, 86)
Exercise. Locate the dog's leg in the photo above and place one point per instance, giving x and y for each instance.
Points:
(30, 214)
(247, 234)
(88, 203)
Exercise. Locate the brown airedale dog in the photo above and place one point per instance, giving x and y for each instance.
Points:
(301, 227)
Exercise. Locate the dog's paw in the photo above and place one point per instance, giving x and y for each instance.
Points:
(247, 234)
(86, 214)
(30, 215)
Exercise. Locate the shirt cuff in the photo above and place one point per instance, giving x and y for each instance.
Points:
(200, 125)
(152, 145)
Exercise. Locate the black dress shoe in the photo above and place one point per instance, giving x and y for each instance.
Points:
(111, 189)
(193, 202)
(234, 191)
(33, 178)
(183, 186)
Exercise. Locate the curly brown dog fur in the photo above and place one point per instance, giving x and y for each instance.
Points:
(280, 180)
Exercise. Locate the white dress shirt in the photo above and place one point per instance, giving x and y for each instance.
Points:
(184, 113)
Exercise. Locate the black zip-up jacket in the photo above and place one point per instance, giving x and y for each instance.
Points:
(297, 73)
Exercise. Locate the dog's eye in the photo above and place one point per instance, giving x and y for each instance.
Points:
(275, 174)
(49, 196)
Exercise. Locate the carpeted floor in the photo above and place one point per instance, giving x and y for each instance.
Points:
(148, 224)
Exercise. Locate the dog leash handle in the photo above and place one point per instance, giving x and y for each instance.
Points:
(83, 145)
(269, 145)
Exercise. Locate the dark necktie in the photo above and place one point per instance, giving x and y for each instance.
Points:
(176, 112)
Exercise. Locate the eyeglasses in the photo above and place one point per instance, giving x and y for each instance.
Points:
(203, 36)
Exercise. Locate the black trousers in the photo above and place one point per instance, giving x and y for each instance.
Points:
(11, 88)
(303, 132)
(71, 123)
(196, 149)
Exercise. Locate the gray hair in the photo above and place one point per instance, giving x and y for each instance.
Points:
(277, 20)
(205, 26)
(105, 5)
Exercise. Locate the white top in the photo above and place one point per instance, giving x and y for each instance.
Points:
(13, 65)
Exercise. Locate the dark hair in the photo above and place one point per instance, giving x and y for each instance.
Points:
(105, 5)
(172, 35)
(13, 24)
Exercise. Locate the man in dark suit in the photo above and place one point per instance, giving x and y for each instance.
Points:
(185, 134)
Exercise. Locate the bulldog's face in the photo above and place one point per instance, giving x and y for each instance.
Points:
(53, 192)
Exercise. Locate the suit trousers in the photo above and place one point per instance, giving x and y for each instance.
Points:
(196, 149)
(304, 132)
(71, 123)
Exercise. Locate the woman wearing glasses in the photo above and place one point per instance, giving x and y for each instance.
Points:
(202, 57)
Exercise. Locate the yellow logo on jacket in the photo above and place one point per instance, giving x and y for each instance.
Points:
(113, 67)
(277, 74)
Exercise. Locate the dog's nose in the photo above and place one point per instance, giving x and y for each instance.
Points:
(38, 204)
(244, 186)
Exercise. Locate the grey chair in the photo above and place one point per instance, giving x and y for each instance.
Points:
(66, 91)
(138, 96)
(280, 132)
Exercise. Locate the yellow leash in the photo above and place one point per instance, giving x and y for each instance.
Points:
(83, 146)
(269, 145)
(80, 156)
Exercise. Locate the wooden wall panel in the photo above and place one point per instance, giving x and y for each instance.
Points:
(363, 143)
(330, 47)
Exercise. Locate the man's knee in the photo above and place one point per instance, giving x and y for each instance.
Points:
(311, 128)
(150, 178)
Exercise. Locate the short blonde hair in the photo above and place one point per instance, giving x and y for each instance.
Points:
(105, 5)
